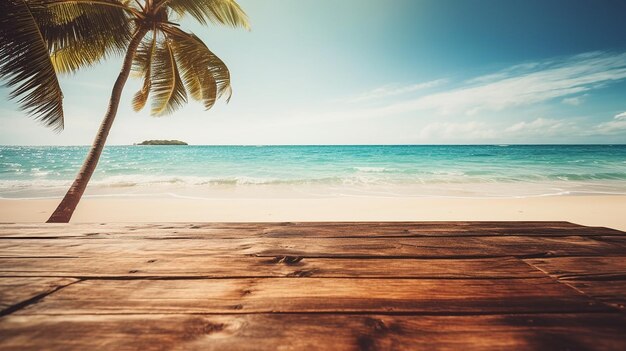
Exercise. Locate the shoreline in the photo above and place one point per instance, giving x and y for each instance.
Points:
(305, 196)
(590, 210)
(203, 191)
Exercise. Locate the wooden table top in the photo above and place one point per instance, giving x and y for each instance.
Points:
(312, 286)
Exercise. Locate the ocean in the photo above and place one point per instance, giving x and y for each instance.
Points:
(319, 171)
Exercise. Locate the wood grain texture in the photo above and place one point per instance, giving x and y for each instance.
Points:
(302, 230)
(612, 292)
(315, 295)
(251, 266)
(318, 286)
(408, 229)
(313, 332)
(603, 278)
(14, 291)
(424, 247)
(582, 267)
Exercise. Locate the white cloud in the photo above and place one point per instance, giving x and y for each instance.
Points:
(539, 128)
(471, 130)
(393, 90)
(616, 126)
(546, 127)
(542, 127)
(523, 85)
(507, 72)
(566, 80)
(483, 132)
(519, 85)
(612, 127)
(575, 100)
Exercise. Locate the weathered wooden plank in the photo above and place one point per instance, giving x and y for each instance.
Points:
(582, 267)
(14, 291)
(418, 229)
(358, 231)
(603, 278)
(423, 247)
(139, 231)
(616, 240)
(423, 276)
(313, 332)
(612, 292)
(326, 295)
(78, 247)
(519, 246)
(305, 229)
(121, 230)
(250, 266)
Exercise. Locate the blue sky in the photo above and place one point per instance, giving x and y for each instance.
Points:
(383, 72)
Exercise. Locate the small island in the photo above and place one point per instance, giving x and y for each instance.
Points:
(162, 142)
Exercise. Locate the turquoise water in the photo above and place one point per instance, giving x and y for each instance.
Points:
(205, 171)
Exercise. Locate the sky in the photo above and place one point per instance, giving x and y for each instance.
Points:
(381, 72)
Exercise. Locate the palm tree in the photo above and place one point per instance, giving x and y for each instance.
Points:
(39, 38)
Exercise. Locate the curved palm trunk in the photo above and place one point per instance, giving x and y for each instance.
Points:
(66, 208)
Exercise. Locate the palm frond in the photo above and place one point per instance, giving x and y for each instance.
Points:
(81, 33)
(142, 67)
(198, 80)
(68, 12)
(168, 90)
(205, 75)
(69, 59)
(225, 12)
(25, 64)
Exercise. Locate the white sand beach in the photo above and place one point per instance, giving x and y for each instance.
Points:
(606, 211)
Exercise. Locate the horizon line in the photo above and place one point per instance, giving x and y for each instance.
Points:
(271, 145)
